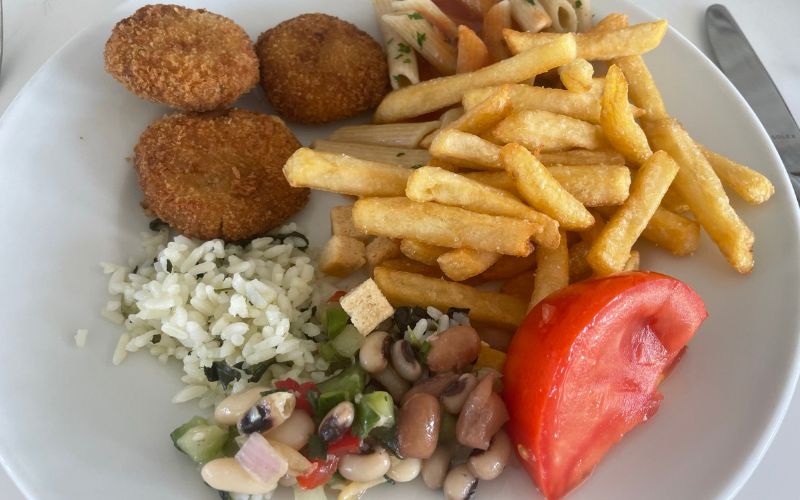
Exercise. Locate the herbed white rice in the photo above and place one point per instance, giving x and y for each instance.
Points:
(203, 302)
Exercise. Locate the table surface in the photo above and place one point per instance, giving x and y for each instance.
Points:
(35, 29)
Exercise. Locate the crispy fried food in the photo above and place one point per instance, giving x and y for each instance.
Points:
(185, 58)
(218, 175)
(317, 68)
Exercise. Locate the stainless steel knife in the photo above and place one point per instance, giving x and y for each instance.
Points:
(737, 59)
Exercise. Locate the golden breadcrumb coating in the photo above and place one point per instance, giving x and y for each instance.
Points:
(188, 59)
(317, 68)
(219, 174)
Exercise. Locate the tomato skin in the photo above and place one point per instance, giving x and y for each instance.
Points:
(320, 474)
(300, 392)
(584, 367)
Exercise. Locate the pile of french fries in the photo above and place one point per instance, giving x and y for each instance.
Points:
(530, 171)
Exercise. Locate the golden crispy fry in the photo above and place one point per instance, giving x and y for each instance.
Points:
(552, 271)
(520, 286)
(464, 263)
(499, 180)
(579, 268)
(446, 119)
(633, 262)
(612, 248)
(611, 22)
(672, 232)
(466, 150)
(411, 266)
(546, 131)
(598, 45)
(618, 123)
(591, 234)
(508, 267)
(750, 185)
(342, 255)
(448, 188)
(416, 290)
(495, 21)
(486, 114)
(442, 92)
(444, 165)
(445, 226)
(641, 86)
(342, 223)
(529, 98)
(422, 252)
(674, 202)
(538, 187)
(383, 154)
(702, 189)
(402, 135)
(381, 249)
(472, 52)
(577, 75)
(344, 174)
(582, 157)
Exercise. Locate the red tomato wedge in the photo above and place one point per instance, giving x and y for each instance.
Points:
(584, 367)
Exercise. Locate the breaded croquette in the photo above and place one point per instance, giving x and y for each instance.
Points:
(218, 175)
(188, 59)
(317, 68)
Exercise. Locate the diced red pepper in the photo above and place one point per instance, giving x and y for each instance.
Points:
(345, 445)
(322, 471)
(336, 296)
(300, 392)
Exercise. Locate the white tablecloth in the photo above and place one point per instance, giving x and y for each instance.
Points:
(34, 29)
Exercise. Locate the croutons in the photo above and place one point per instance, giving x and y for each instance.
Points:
(366, 306)
(342, 255)
(382, 248)
(342, 223)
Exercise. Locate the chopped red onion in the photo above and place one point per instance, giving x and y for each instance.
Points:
(261, 460)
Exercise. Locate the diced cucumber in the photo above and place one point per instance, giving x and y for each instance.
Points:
(317, 493)
(375, 409)
(180, 431)
(351, 380)
(203, 443)
(328, 400)
(335, 320)
(328, 352)
(348, 342)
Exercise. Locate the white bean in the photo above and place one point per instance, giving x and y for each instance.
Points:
(365, 468)
(294, 431)
(225, 474)
(232, 408)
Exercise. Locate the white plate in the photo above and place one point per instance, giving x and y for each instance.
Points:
(73, 426)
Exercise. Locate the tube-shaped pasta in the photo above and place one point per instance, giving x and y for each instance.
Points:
(530, 15)
(431, 12)
(478, 7)
(406, 157)
(402, 61)
(562, 14)
(583, 12)
(472, 52)
(416, 31)
(404, 135)
(495, 21)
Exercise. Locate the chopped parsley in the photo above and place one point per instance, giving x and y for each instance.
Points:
(400, 154)
(403, 48)
(531, 2)
(407, 61)
(398, 79)
(416, 166)
(420, 38)
(578, 4)
(389, 41)
(415, 15)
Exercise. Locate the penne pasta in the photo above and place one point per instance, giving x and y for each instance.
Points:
(401, 59)
(429, 11)
(416, 31)
(384, 154)
(562, 14)
(478, 7)
(472, 52)
(403, 135)
(530, 16)
(497, 19)
(583, 13)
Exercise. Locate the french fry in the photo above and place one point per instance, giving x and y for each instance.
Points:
(447, 188)
(466, 150)
(401, 135)
(472, 52)
(633, 262)
(411, 266)
(420, 34)
(579, 268)
(618, 123)
(416, 290)
(702, 190)
(562, 13)
(398, 156)
(422, 252)
(674, 202)
(446, 119)
(672, 232)
(612, 248)
(438, 93)
(552, 271)
(445, 226)
(591, 234)
(541, 191)
(520, 286)
(402, 60)
(583, 11)
(507, 267)
(577, 75)
(530, 15)
(342, 223)
(431, 12)
(545, 131)
(529, 98)
(480, 118)
(344, 174)
(598, 45)
(495, 21)
(582, 157)
(342, 256)
(381, 249)
(750, 185)
(464, 263)
(643, 90)
(592, 185)
(613, 21)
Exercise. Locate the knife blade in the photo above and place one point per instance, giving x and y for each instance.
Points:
(737, 59)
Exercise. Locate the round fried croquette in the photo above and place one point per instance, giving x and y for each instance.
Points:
(188, 59)
(317, 68)
(218, 175)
